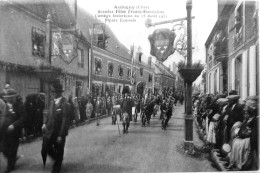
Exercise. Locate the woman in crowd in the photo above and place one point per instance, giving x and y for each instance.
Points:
(89, 108)
(245, 143)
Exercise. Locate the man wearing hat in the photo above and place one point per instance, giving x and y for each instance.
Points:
(55, 127)
(12, 126)
(235, 113)
(126, 106)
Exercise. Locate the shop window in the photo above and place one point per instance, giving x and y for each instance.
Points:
(38, 42)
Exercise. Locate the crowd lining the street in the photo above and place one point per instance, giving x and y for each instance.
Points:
(19, 120)
(230, 128)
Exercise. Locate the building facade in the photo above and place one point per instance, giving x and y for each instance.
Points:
(164, 78)
(42, 42)
(232, 49)
(24, 49)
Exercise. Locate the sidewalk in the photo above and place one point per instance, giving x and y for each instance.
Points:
(200, 152)
(39, 137)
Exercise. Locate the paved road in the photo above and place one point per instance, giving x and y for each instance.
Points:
(92, 148)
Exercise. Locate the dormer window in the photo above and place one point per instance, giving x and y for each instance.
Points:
(239, 18)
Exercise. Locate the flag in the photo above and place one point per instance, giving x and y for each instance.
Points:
(132, 64)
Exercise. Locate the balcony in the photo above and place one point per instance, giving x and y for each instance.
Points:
(238, 38)
(220, 47)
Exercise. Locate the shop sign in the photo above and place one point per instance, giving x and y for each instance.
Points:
(161, 42)
(65, 46)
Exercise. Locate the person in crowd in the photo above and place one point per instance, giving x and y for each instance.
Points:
(12, 127)
(137, 104)
(98, 109)
(109, 105)
(167, 115)
(126, 106)
(181, 99)
(3, 108)
(76, 110)
(221, 124)
(82, 108)
(163, 107)
(55, 127)
(149, 109)
(245, 145)
(72, 110)
(89, 108)
(234, 114)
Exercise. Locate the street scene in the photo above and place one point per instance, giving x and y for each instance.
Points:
(102, 149)
(127, 86)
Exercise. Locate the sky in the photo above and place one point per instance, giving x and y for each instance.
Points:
(135, 32)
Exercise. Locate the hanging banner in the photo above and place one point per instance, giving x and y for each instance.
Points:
(161, 42)
(64, 45)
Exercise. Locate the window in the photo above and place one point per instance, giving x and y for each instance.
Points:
(238, 36)
(141, 71)
(239, 18)
(238, 74)
(215, 82)
(150, 78)
(209, 83)
(120, 71)
(98, 66)
(38, 42)
(79, 87)
(128, 73)
(140, 56)
(81, 58)
(110, 69)
(257, 69)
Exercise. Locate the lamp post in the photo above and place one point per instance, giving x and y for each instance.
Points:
(188, 74)
(188, 141)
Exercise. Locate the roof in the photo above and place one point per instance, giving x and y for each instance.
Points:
(160, 68)
(62, 16)
(85, 22)
(222, 20)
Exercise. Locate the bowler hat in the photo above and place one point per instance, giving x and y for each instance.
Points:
(233, 97)
(233, 92)
(57, 88)
(10, 92)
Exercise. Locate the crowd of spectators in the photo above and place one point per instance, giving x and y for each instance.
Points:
(230, 128)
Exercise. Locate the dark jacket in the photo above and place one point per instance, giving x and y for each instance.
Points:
(57, 120)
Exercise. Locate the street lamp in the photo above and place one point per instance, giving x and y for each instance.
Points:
(188, 140)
